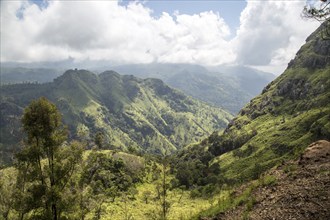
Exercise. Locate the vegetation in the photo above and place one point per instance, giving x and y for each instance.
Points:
(227, 87)
(53, 178)
(292, 112)
(113, 112)
(45, 165)
(319, 10)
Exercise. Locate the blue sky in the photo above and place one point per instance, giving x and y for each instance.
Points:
(263, 34)
(229, 10)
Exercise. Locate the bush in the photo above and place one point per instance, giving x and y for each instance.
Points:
(268, 180)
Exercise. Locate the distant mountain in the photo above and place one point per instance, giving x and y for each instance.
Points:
(141, 114)
(250, 80)
(22, 74)
(229, 87)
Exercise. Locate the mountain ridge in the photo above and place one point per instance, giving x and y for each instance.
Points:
(142, 114)
(291, 112)
(228, 87)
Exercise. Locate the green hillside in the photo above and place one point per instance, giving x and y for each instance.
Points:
(228, 87)
(292, 112)
(135, 114)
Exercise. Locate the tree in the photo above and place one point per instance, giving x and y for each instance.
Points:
(46, 163)
(319, 10)
(99, 139)
(146, 195)
(164, 186)
(7, 189)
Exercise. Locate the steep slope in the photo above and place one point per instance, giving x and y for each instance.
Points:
(144, 115)
(250, 80)
(213, 88)
(294, 190)
(228, 87)
(292, 112)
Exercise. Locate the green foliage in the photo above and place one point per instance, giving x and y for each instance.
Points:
(45, 164)
(142, 116)
(7, 192)
(319, 12)
(290, 168)
(106, 175)
(231, 200)
(268, 180)
(99, 139)
(191, 168)
(292, 112)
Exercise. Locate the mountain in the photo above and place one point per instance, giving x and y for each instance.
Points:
(22, 74)
(249, 79)
(228, 87)
(137, 114)
(292, 112)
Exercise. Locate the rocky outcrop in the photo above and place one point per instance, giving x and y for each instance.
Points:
(314, 54)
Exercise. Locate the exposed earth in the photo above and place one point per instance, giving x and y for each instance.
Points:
(301, 190)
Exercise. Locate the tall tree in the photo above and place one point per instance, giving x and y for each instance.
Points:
(46, 163)
(99, 139)
(164, 187)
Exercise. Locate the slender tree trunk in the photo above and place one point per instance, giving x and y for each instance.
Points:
(39, 163)
(164, 191)
(52, 182)
(54, 211)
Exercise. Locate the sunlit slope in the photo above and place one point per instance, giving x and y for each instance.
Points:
(144, 115)
(292, 112)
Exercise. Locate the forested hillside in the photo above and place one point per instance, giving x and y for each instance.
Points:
(106, 146)
(130, 113)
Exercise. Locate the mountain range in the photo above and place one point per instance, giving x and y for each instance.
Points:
(228, 87)
(270, 161)
(143, 115)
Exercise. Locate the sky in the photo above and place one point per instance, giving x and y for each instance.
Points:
(259, 33)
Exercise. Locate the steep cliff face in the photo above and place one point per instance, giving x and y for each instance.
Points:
(292, 112)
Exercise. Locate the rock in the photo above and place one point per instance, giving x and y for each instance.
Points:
(316, 152)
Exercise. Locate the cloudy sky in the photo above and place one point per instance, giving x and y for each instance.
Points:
(263, 34)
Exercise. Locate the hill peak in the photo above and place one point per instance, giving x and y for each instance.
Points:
(314, 54)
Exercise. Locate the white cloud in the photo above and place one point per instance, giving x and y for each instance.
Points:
(270, 33)
(104, 30)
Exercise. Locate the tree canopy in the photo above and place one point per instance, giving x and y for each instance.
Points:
(45, 164)
(319, 10)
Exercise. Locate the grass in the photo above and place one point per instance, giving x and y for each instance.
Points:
(268, 180)
(182, 206)
(230, 200)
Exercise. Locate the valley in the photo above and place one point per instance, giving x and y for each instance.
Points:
(167, 141)
(143, 116)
